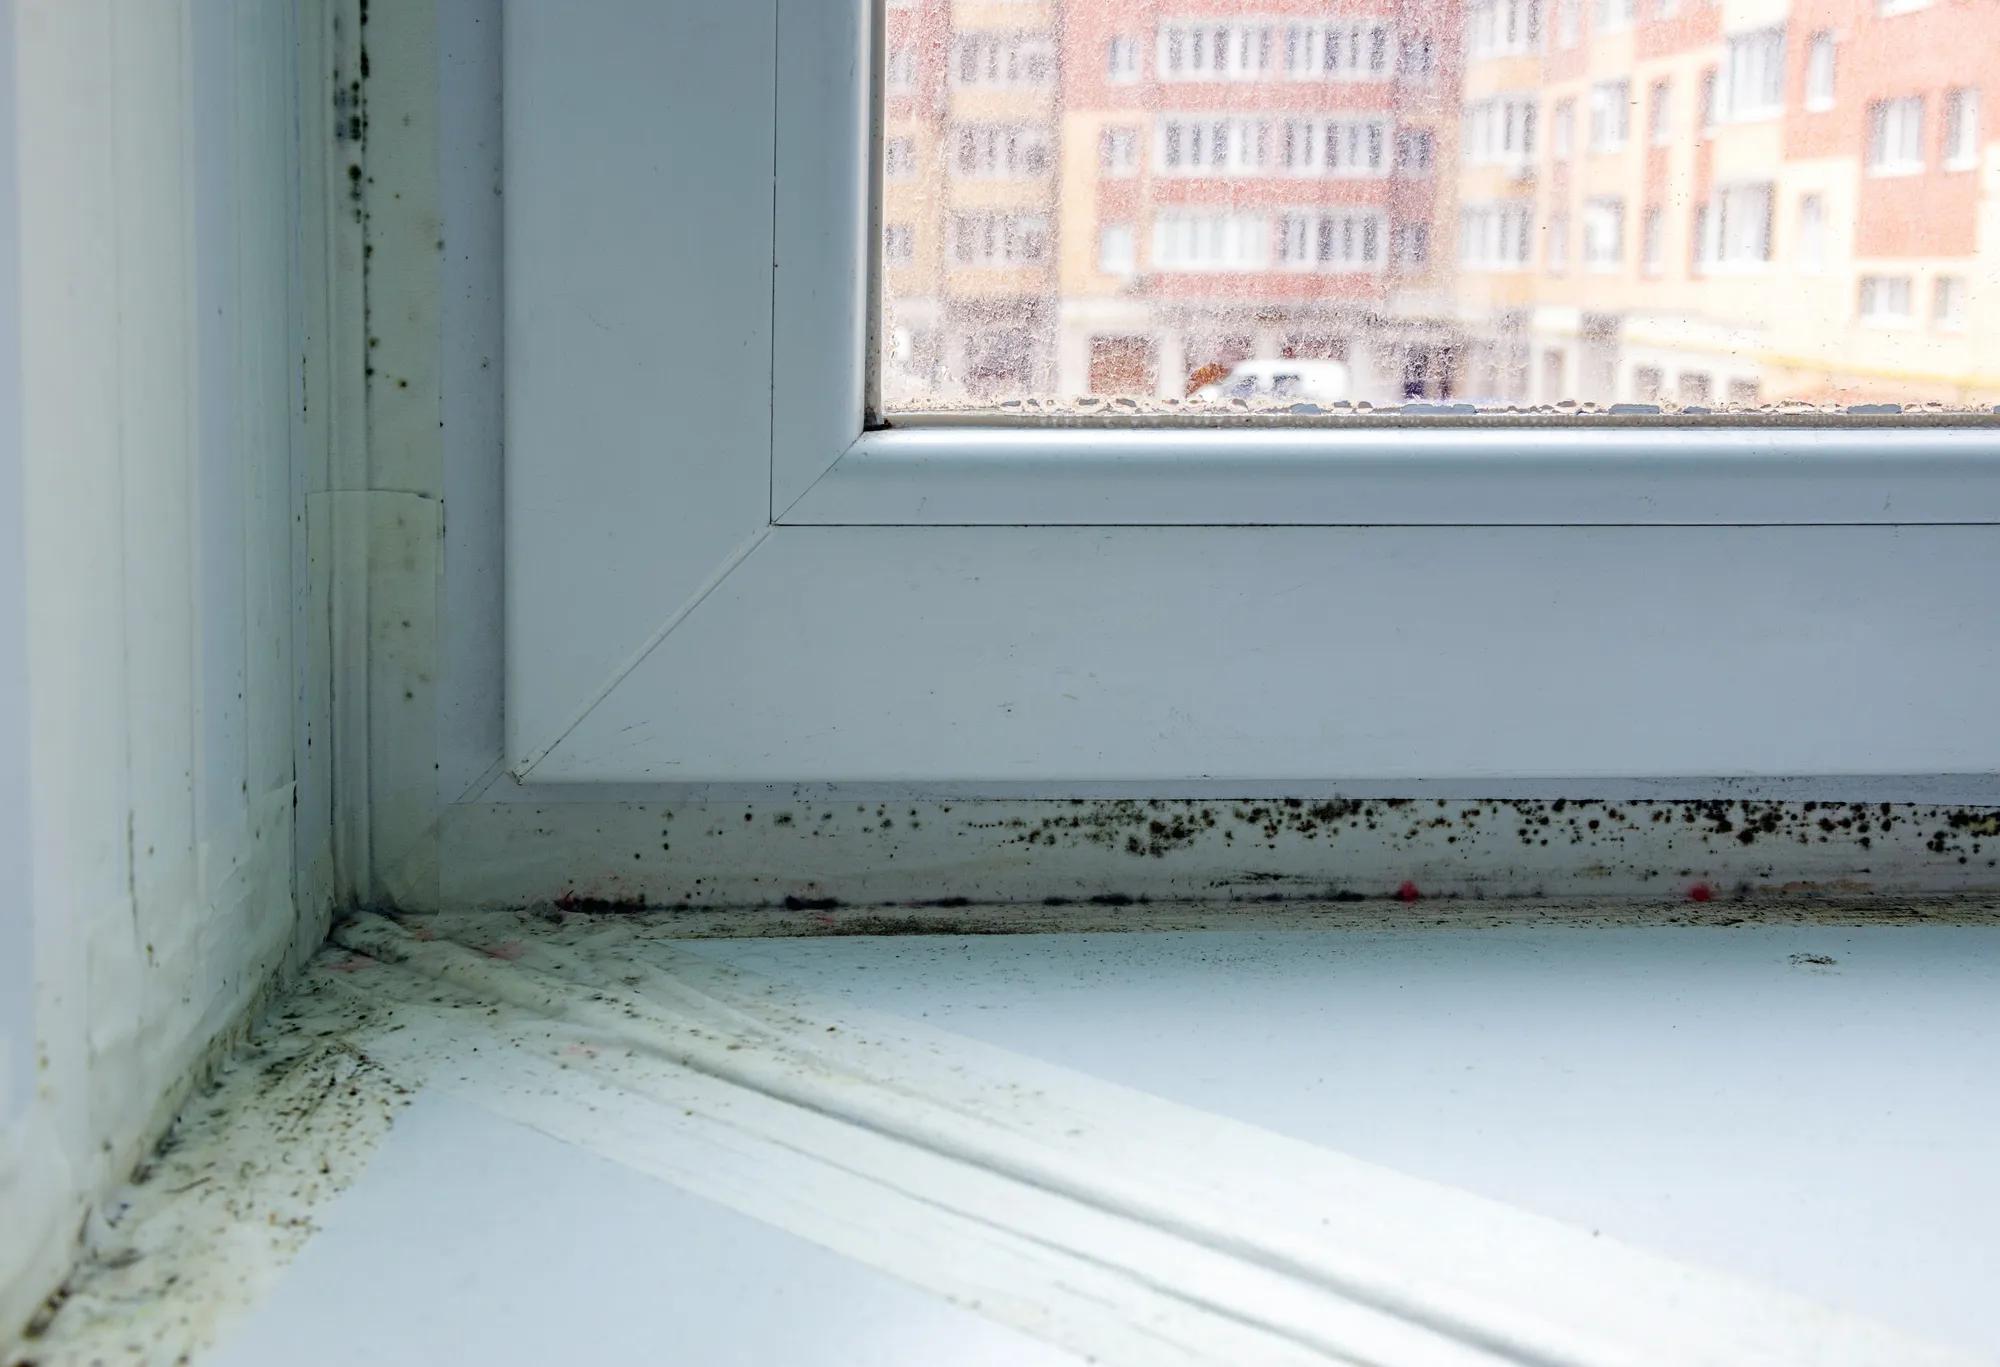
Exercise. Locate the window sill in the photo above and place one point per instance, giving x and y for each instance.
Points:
(1529, 469)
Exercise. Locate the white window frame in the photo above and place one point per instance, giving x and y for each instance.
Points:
(682, 502)
(1822, 70)
(1895, 134)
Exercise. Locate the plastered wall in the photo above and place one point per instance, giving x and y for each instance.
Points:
(165, 744)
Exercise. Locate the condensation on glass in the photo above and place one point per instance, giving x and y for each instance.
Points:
(1154, 205)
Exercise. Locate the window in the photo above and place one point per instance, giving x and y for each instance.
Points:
(1121, 59)
(999, 239)
(1211, 146)
(1351, 51)
(1648, 383)
(1961, 129)
(1745, 393)
(1812, 233)
(1753, 80)
(1948, 303)
(1117, 249)
(997, 151)
(1568, 16)
(1497, 28)
(1653, 241)
(1708, 79)
(1331, 240)
(1900, 6)
(1118, 151)
(1885, 299)
(1285, 179)
(1416, 152)
(1416, 58)
(1494, 237)
(1613, 14)
(1214, 52)
(1660, 115)
(1610, 115)
(1604, 233)
(1696, 388)
(1735, 229)
(1896, 136)
(1666, 9)
(1500, 131)
(1413, 244)
(1340, 148)
(901, 69)
(1819, 71)
(1196, 241)
(1004, 60)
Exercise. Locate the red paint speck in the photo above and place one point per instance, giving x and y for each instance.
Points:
(1700, 892)
(823, 917)
(509, 950)
(1408, 892)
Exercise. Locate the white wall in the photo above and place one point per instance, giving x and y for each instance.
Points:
(158, 463)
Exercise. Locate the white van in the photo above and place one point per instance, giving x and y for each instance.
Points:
(1308, 381)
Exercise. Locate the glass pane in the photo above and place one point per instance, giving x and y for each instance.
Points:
(1174, 205)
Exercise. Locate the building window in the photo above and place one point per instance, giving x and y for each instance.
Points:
(1498, 28)
(999, 239)
(1117, 249)
(1896, 136)
(1214, 52)
(901, 69)
(1753, 80)
(1812, 234)
(899, 244)
(1961, 129)
(1331, 240)
(1556, 251)
(1341, 148)
(1185, 241)
(1206, 146)
(1819, 71)
(1885, 299)
(1708, 102)
(1118, 151)
(1653, 242)
(1568, 13)
(1416, 58)
(1604, 233)
(1695, 388)
(1948, 303)
(1004, 60)
(1416, 151)
(1353, 51)
(1666, 9)
(899, 158)
(1648, 382)
(1121, 60)
(1900, 6)
(1564, 137)
(999, 151)
(1499, 131)
(1735, 227)
(1413, 244)
(1610, 115)
(1613, 14)
(1494, 237)
(1660, 115)
(1745, 393)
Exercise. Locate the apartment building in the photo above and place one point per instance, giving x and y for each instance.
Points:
(1698, 202)
(1728, 204)
(968, 229)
